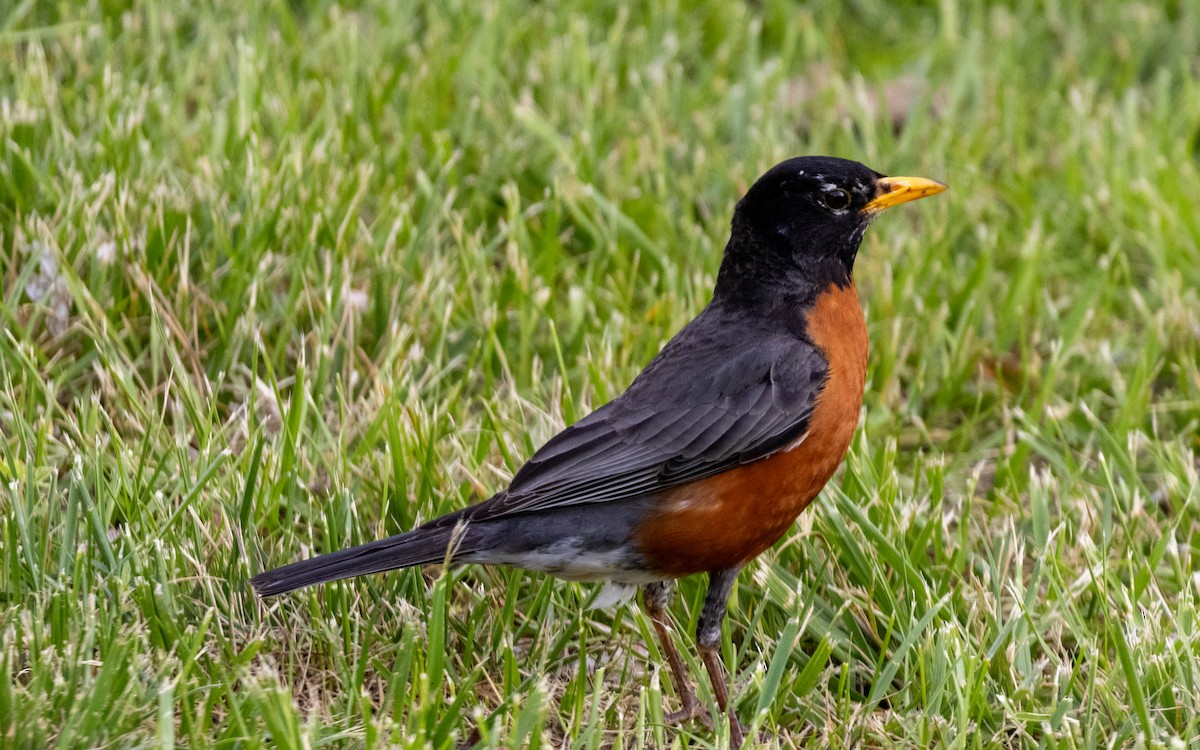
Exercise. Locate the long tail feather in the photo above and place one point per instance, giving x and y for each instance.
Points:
(416, 547)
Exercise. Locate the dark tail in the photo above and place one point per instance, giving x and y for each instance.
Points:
(420, 546)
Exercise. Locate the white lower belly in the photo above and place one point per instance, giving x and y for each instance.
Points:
(569, 560)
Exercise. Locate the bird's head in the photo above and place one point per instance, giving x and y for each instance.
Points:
(807, 215)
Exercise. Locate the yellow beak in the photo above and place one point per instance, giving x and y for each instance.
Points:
(892, 191)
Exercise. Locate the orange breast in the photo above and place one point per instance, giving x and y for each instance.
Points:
(727, 520)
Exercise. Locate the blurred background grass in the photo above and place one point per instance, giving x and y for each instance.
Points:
(278, 278)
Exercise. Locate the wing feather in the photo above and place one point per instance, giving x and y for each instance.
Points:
(662, 433)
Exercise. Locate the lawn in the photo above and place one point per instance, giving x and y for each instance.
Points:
(281, 277)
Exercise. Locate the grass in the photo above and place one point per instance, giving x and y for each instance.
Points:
(283, 277)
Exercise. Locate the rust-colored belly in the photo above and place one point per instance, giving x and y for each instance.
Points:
(727, 520)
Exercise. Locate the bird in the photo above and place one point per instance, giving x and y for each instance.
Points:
(713, 451)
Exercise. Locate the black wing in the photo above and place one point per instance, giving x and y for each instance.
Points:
(712, 399)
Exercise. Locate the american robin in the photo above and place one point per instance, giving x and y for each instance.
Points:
(714, 449)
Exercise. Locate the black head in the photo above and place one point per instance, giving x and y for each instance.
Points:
(804, 219)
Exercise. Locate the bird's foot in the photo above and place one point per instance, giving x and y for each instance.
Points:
(691, 709)
(737, 732)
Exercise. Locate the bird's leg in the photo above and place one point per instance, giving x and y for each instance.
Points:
(708, 643)
(654, 599)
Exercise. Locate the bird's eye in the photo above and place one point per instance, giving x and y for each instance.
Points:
(835, 200)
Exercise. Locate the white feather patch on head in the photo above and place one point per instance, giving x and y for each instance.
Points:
(613, 594)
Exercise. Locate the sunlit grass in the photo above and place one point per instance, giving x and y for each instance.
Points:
(280, 278)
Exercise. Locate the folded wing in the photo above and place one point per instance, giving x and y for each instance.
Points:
(746, 399)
